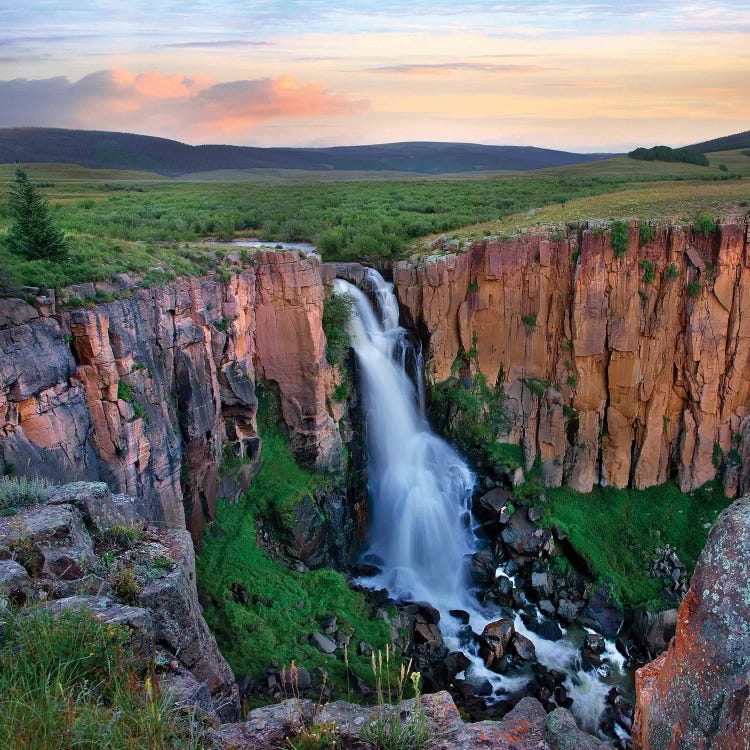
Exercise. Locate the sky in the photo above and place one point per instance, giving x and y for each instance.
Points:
(580, 75)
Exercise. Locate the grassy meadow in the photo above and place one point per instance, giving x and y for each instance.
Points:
(134, 222)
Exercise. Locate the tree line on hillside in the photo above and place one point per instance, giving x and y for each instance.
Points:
(665, 153)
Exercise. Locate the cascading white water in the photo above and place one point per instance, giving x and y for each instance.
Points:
(419, 486)
(420, 491)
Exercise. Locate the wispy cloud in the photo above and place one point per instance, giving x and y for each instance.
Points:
(166, 104)
(219, 44)
(442, 69)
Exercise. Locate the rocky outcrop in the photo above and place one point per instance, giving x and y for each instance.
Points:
(84, 548)
(149, 391)
(695, 695)
(621, 368)
(526, 727)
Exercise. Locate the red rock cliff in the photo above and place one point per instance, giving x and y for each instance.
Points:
(651, 349)
(696, 694)
(143, 392)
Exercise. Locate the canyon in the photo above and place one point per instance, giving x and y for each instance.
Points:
(625, 368)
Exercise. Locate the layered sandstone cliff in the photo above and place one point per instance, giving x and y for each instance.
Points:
(622, 370)
(695, 695)
(146, 392)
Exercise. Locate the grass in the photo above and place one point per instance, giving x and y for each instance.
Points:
(617, 531)
(129, 222)
(21, 491)
(391, 727)
(285, 604)
(71, 681)
(134, 226)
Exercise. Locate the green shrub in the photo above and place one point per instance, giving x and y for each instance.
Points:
(20, 492)
(126, 586)
(537, 386)
(672, 272)
(704, 225)
(646, 234)
(472, 416)
(649, 271)
(337, 312)
(694, 287)
(124, 391)
(529, 322)
(620, 238)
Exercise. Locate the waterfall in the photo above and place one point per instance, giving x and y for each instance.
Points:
(420, 488)
(420, 493)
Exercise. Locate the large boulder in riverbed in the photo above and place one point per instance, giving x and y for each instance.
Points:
(697, 693)
(494, 641)
(523, 538)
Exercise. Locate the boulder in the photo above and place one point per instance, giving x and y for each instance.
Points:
(15, 584)
(653, 631)
(494, 640)
(523, 647)
(523, 538)
(603, 613)
(323, 644)
(493, 507)
(696, 693)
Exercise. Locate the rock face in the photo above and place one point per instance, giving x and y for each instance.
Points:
(695, 695)
(86, 548)
(526, 727)
(640, 360)
(146, 392)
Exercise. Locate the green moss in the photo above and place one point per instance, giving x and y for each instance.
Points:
(618, 530)
(284, 605)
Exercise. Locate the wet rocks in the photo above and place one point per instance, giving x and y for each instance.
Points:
(524, 538)
(494, 640)
(603, 613)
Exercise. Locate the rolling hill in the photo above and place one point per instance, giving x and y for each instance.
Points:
(727, 143)
(101, 149)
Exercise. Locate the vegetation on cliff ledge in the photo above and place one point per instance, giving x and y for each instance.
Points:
(285, 604)
(617, 532)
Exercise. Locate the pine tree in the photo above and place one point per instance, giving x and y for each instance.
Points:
(32, 235)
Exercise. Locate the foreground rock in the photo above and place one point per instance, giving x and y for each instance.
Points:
(526, 727)
(696, 694)
(84, 548)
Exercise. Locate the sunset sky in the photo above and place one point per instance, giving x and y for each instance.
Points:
(585, 76)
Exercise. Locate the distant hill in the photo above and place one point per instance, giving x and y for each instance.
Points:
(101, 149)
(727, 143)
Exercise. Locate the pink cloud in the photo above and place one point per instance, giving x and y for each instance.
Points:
(174, 105)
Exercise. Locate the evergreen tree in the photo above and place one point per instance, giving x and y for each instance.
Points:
(32, 235)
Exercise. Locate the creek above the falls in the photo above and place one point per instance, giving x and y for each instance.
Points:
(422, 534)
